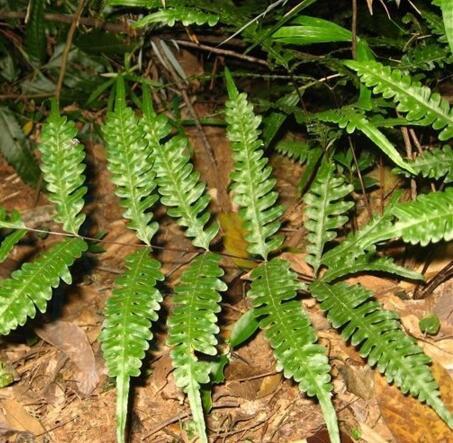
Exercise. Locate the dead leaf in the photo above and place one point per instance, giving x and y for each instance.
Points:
(409, 420)
(359, 380)
(234, 239)
(73, 342)
(297, 262)
(269, 385)
(16, 418)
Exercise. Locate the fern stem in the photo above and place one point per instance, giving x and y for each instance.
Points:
(196, 407)
(122, 399)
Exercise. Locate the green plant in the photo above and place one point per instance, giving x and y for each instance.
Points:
(149, 161)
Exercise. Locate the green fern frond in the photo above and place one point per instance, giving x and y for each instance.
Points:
(62, 166)
(436, 164)
(296, 150)
(30, 288)
(251, 182)
(193, 329)
(126, 332)
(325, 210)
(171, 16)
(418, 102)
(178, 184)
(35, 33)
(351, 119)
(380, 339)
(369, 263)
(426, 57)
(131, 166)
(288, 328)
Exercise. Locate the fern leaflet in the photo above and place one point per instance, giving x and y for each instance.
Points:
(251, 182)
(325, 211)
(178, 184)
(14, 237)
(170, 16)
(30, 287)
(288, 328)
(380, 339)
(62, 166)
(129, 313)
(130, 164)
(193, 329)
(421, 105)
(35, 34)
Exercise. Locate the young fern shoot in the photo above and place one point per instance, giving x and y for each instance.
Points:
(192, 325)
(274, 287)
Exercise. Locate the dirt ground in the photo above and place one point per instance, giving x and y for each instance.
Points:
(61, 392)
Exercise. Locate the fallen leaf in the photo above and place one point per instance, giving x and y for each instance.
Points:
(234, 239)
(15, 417)
(297, 262)
(409, 420)
(359, 380)
(73, 342)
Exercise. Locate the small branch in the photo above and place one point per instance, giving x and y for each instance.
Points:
(354, 29)
(443, 275)
(222, 52)
(362, 183)
(67, 48)
(408, 145)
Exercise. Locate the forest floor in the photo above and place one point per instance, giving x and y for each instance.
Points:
(61, 391)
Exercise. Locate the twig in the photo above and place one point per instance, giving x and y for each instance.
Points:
(359, 174)
(67, 48)
(354, 29)
(223, 52)
(408, 145)
(443, 275)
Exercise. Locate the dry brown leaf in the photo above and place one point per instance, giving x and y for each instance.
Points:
(359, 380)
(269, 385)
(73, 342)
(297, 262)
(16, 417)
(409, 420)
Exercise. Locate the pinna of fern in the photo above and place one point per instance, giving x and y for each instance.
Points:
(192, 327)
(274, 287)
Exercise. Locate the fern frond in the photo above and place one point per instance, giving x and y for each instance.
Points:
(131, 166)
(418, 102)
(369, 263)
(171, 16)
(352, 119)
(178, 183)
(251, 182)
(30, 288)
(14, 237)
(292, 337)
(62, 166)
(380, 339)
(126, 332)
(296, 150)
(35, 33)
(426, 57)
(193, 329)
(325, 210)
(436, 164)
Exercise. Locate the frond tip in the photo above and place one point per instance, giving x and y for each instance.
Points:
(381, 340)
(62, 166)
(252, 184)
(193, 329)
(30, 288)
(288, 328)
(126, 332)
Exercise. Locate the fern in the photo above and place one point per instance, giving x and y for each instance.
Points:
(380, 339)
(325, 211)
(62, 166)
(131, 167)
(251, 182)
(178, 184)
(426, 58)
(352, 120)
(421, 105)
(35, 34)
(192, 329)
(291, 335)
(30, 288)
(126, 331)
(369, 263)
(296, 150)
(436, 164)
(170, 16)
(8, 243)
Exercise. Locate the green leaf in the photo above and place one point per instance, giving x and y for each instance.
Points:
(418, 102)
(378, 335)
(429, 324)
(30, 288)
(251, 183)
(293, 340)
(129, 313)
(296, 150)
(35, 34)
(131, 166)
(62, 166)
(243, 328)
(15, 148)
(14, 237)
(447, 15)
(192, 329)
(171, 16)
(325, 210)
(309, 30)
